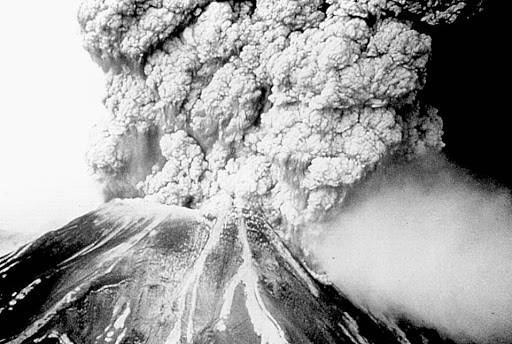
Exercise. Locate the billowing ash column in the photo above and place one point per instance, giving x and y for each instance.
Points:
(280, 105)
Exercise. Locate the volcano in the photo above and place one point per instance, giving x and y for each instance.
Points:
(137, 272)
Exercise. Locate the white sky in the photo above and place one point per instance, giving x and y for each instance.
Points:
(50, 96)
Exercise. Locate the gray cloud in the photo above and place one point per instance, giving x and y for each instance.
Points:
(426, 241)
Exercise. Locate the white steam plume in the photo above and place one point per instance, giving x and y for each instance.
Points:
(426, 241)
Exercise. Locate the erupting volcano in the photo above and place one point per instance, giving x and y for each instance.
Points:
(272, 174)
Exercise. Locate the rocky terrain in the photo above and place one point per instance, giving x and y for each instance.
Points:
(134, 272)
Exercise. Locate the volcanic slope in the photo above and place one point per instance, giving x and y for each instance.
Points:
(137, 272)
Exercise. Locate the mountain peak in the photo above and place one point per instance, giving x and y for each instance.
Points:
(137, 272)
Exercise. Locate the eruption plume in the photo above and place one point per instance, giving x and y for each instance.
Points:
(426, 241)
(295, 107)
(277, 104)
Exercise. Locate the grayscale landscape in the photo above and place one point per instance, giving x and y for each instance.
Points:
(274, 172)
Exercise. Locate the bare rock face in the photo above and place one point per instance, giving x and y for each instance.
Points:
(133, 272)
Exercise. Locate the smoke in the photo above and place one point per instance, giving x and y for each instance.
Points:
(141, 152)
(426, 241)
(328, 86)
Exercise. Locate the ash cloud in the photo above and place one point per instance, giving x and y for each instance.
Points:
(242, 92)
(140, 152)
(426, 241)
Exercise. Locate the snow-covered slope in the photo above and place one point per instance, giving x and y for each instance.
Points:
(136, 272)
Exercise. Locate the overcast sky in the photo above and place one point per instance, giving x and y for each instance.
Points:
(50, 93)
